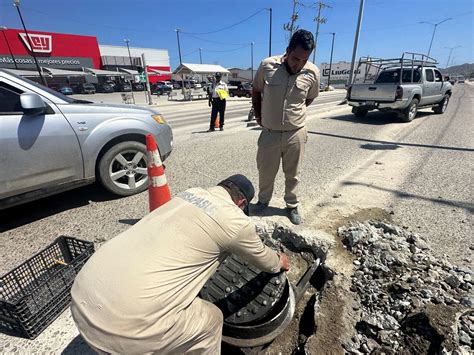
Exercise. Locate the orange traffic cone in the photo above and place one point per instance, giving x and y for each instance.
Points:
(158, 189)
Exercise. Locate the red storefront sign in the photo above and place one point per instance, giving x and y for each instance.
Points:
(56, 50)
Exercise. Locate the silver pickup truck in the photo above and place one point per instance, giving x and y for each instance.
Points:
(402, 85)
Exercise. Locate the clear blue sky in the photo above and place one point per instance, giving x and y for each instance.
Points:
(389, 26)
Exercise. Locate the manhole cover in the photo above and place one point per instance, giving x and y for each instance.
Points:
(242, 292)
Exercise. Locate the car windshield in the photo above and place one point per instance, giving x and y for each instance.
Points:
(393, 76)
(52, 92)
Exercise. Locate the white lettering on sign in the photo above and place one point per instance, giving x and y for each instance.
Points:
(39, 43)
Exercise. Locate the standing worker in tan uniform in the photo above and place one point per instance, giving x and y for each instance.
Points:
(138, 293)
(282, 89)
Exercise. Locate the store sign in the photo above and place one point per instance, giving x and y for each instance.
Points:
(27, 62)
(39, 43)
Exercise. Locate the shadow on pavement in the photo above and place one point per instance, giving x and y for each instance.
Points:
(78, 346)
(376, 118)
(385, 145)
(404, 195)
(16, 216)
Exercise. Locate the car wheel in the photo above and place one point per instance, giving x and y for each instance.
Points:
(408, 114)
(123, 168)
(231, 94)
(359, 112)
(247, 95)
(442, 106)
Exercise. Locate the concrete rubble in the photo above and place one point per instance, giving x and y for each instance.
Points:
(408, 301)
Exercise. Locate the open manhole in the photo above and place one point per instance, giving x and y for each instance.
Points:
(258, 306)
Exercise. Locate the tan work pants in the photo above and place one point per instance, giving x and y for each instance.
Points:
(288, 147)
(197, 331)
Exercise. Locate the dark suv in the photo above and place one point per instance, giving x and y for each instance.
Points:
(86, 88)
(105, 88)
(241, 90)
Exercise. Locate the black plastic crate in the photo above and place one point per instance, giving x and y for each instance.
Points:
(35, 293)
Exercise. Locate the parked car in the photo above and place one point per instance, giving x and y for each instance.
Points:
(160, 88)
(123, 87)
(56, 143)
(65, 90)
(138, 87)
(241, 90)
(403, 90)
(87, 88)
(104, 88)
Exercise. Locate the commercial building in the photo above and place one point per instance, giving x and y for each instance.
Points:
(67, 58)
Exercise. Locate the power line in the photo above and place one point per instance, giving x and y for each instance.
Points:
(227, 27)
(230, 50)
(215, 42)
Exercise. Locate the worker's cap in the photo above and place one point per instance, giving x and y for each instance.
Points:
(218, 75)
(245, 186)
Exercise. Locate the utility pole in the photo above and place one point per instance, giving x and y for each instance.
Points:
(318, 20)
(450, 52)
(147, 81)
(200, 55)
(179, 46)
(330, 61)
(126, 40)
(17, 5)
(270, 39)
(356, 41)
(251, 58)
(290, 26)
(3, 29)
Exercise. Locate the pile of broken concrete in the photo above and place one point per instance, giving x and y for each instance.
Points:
(408, 301)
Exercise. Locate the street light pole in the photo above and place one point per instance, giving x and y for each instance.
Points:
(270, 38)
(179, 46)
(434, 30)
(330, 61)
(126, 40)
(450, 52)
(3, 29)
(17, 5)
(356, 41)
(200, 55)
(251, 60)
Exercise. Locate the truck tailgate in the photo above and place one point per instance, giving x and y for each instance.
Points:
(373, 92)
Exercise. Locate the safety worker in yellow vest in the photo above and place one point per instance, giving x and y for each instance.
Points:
(139, 292)
(283, 87)
(218, 93)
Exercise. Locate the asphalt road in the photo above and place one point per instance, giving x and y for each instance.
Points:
(420, 173)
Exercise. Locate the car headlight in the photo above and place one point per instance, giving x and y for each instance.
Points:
(159, 119)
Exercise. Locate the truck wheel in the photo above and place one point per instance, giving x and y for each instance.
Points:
(442, 106)
(359, 112)
(123, 168)
(408, 114)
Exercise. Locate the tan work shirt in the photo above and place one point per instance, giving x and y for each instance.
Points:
(136, 284)
(285, 95)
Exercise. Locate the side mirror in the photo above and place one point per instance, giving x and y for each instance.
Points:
(32, 104)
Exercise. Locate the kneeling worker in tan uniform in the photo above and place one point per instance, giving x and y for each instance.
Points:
(282, 89)
(139, 292)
